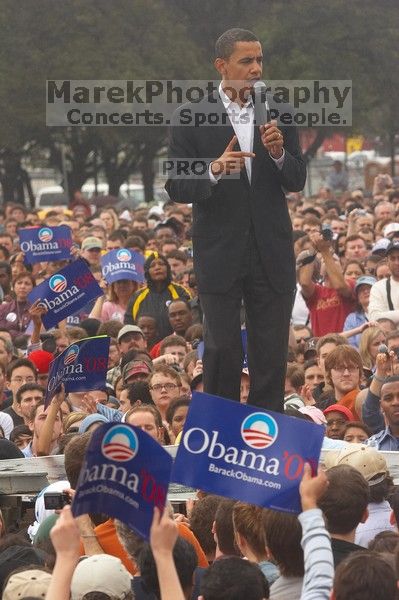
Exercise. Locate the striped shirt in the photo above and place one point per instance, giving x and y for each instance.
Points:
(318, 556)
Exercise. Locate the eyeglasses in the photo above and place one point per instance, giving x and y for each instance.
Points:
(167, 386)
(302, 339)
(336, 422)
(343, 369)
(23, 379)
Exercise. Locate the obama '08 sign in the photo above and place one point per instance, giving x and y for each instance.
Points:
(245, 453)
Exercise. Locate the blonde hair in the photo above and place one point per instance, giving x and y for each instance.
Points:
(113, 215)
(71, 419)
(368, 336)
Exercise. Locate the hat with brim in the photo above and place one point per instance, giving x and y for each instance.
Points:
(133, 368)
(394, 245)
(339, 408)
(380, 246)
(32, 583)
(365, 280)
(129, 329)
(390, 229)
(371, 463)
(92, 242)
(100, 573)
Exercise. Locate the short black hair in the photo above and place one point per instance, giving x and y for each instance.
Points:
(28, 387)
(234, 579)
(224, 46)
(365, 574)
(20, 362)
(345, 500)
(139, 390)
(392, 379)
(185, 560)
(175, 404)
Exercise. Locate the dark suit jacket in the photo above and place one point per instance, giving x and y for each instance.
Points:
(223, 213)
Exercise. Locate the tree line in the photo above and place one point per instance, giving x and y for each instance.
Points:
(174, 39)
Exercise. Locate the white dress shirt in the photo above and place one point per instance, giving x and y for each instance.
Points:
(242, 121)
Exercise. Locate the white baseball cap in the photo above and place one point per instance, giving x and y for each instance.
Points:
(390, 228)
(101, 573)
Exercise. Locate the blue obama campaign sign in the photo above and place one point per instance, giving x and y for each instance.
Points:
(66, 292)
(124, 475)
(40, 244)
(80, 367)
(122, 264)
(246, 453)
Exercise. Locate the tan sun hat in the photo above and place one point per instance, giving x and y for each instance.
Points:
(365, 459)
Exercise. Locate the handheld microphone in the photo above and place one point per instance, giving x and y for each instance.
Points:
(383, 349)
(262, 113)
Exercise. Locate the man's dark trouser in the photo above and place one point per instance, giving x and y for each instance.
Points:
(267, 321)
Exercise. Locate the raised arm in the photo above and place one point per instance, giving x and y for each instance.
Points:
(332, 266)
(65, 538)
(163, 536)
(44, 440)
(305, 269)
(316, 544)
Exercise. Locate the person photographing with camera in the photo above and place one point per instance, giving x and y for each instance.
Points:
(330, 301)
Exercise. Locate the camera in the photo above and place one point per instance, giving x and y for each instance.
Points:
(327, 233)
(56, 500)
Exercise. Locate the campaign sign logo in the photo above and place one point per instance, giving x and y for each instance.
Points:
(45, 243)
(124, 475)
(123, 254)
(81, 367)
(45, 234)
(122, 264)
(120, 444)
(66, 292)
(247, 454)
(71, 355)
(57, 283)
(259, 430)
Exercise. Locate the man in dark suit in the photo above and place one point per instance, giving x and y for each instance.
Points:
(242, 235)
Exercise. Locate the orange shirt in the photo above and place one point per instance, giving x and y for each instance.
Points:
(109, 542)
(349, 400)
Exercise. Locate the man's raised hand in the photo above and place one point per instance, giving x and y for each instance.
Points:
(230, 161)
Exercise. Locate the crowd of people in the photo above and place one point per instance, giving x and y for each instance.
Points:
(342, 374)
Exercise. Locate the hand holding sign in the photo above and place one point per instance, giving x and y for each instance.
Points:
(163, 533)
(81, 367)
(66, 292)
(258, 458)
(42, 244)
(36, 313)
(125, 475)
(312, 488)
